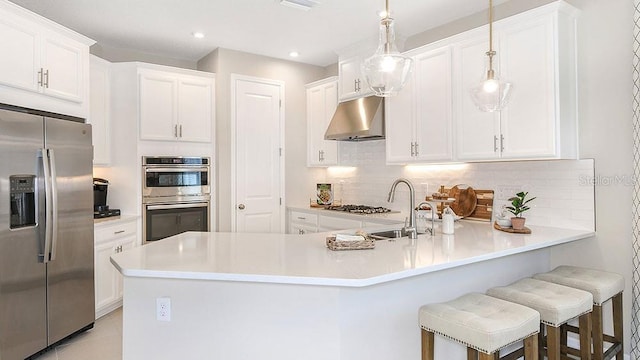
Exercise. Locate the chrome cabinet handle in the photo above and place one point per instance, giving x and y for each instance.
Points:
(46, 79)
(495, 143)
(180, 130)
(40, 76)
(301, 231)
(118, 232)
(413, 149)
(501, 143)
(241, 207)
(175, 130)
(417, 149)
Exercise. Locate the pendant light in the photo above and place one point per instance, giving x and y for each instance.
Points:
(491, 94)
(386, 71)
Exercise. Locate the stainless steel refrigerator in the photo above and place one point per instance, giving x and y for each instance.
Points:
(46, 230)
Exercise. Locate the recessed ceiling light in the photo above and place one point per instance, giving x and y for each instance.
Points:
(300, 4)
(198, 35)
(294, 54)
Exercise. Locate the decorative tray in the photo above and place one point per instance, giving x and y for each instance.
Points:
(333, 244)
(526, 230)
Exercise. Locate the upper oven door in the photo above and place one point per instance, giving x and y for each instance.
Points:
(175, 180)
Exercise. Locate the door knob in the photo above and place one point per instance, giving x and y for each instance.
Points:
(241, 206)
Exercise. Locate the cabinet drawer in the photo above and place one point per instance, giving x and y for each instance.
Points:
(111, 231)
(300, 217)
(335, 223)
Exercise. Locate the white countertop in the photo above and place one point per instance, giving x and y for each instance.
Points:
(304, 259)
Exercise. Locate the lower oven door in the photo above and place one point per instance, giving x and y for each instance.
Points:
(164, 220)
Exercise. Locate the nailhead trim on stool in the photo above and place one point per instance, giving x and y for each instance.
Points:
(604, 286)
(479, 322)
(556, 304)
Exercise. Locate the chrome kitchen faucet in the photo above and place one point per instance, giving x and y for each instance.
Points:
(410, 230)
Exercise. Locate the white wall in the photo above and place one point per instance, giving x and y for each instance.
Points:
(225, 62)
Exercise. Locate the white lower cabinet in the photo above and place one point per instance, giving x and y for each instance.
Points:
(111, 237)
(302, 221)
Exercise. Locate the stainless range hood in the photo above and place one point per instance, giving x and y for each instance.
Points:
(358, 120)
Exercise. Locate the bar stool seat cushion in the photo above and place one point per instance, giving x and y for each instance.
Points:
(556, 303)
(480, 322)
(601, 284)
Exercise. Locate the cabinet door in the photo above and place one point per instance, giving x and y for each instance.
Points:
(400, 124)
(106, 288)
(124, 244)
(528, 122)
(63, 64)
(477, 132)
(351, 81)
(158, 110)
(99, 114)
(322, 101)
(20, 60)
(195, 109)
(433, 103)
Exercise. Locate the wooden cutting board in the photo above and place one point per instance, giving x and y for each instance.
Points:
(484, 206)
(465, 200)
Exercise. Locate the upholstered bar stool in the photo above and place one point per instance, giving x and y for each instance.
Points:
(604, 286)
(556, 304)
(483, 324)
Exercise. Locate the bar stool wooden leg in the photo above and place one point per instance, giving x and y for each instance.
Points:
(541, 342)
(427, 344)
(472, 354)
(484, 356)
(553, 342)
(598, 340)
(585, 336)
(531, 348)
(617, 323)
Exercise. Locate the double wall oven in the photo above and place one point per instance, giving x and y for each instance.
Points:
(176, 196)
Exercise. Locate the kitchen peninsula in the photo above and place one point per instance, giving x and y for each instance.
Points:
(244, 296)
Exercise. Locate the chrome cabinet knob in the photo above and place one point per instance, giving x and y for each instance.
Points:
(241, 206)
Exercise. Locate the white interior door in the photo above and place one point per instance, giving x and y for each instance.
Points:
(259, 181)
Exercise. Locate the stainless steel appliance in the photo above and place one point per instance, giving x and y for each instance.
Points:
(357, 120)
(176, 196)
(360, 209)
(46, 230)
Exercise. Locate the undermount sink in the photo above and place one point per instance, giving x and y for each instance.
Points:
(389, 234)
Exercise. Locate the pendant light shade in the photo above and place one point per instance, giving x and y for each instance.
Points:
(492, 93)
(386, 71)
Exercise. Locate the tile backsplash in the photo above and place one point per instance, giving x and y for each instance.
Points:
(563, 189)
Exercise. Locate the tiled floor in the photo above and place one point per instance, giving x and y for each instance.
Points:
(103, 342)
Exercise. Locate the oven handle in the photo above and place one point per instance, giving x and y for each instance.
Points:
(177, 206)
(178, 170)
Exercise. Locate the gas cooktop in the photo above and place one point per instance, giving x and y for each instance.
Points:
(360, 209)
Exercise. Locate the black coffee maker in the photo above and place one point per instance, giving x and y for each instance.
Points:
(100, 207)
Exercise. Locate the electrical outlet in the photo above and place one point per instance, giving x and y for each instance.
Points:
(163, 309)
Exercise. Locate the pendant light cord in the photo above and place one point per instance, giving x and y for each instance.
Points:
(386, 21)
(490, 53)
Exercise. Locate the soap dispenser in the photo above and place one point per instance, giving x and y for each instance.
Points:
(447, 221)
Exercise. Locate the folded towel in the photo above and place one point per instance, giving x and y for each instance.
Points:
(346, 237)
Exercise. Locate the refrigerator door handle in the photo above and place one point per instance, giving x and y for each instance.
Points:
(46, 169)
(54, 204)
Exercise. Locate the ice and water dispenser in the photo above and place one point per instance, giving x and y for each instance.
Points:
(22, 196)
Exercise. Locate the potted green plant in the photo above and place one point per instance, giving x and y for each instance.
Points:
(517, 208)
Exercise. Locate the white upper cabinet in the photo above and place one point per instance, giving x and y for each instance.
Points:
(42, 63)
(100, 110)
(536, 53)
(352, 84)
(418, 120)
(322, 100)
(175, 107)
(477, 132)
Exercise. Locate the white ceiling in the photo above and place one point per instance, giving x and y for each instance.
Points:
(265, 27)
